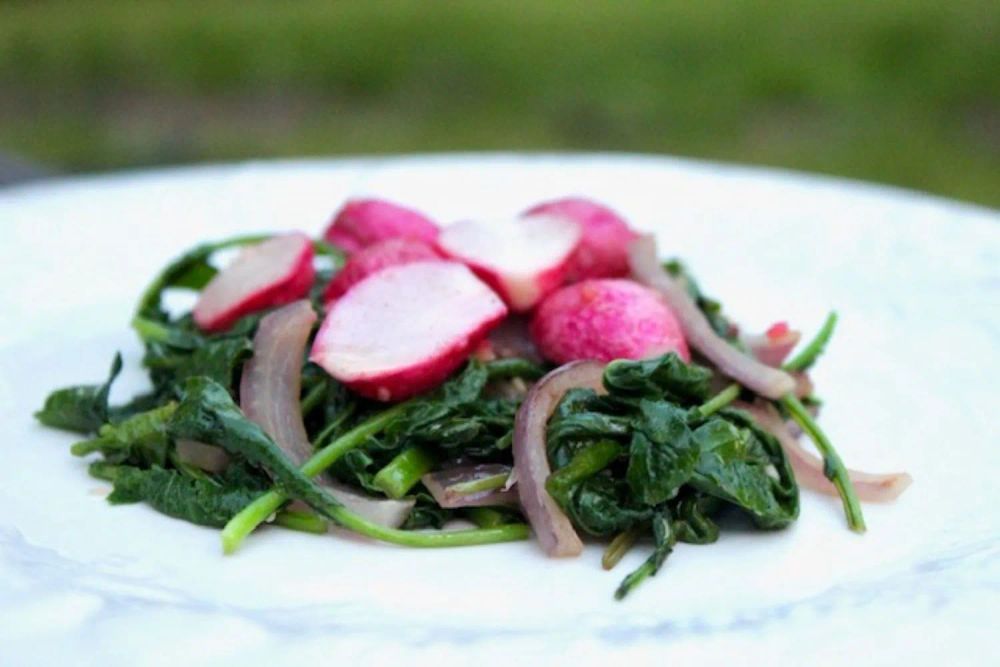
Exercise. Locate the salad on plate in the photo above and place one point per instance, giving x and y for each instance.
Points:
(549, 377)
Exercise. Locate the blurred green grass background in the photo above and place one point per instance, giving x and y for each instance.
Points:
(898, 91)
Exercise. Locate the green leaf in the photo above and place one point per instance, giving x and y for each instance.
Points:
(208, 414)
(602, 506)
(735, 465)
(199, 501)
(661, 377)
(142, 439)
(662, 455)
(81, 409)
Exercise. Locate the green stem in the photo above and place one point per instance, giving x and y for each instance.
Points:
(263, 507)
(636, 577)
(90, 446)
(489, 483)
(811, 352)
(306, 522)
(404, 471)
(618, 547)
(485, 517)
(586, 463)
(833, 466)
(719, 401)
(410, 538)
(334, 425)
(313, 399)
(502, 369)
(267, 504)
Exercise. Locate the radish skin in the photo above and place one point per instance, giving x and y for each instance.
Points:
(522, 260)
(603, 249)
(273, 273)
(363, 222)
(374, 258)
(606, 319)
(405, 329)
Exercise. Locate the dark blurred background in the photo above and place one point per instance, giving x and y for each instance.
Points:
(905, 92)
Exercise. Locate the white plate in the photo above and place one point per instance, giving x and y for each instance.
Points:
(910, 382)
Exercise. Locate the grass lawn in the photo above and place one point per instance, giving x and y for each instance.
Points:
(898, 91)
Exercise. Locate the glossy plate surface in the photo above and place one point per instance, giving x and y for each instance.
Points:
(909, 382)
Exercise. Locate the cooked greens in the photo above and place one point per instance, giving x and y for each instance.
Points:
(659, 456)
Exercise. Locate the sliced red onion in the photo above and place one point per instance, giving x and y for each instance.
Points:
(531, 462)
(442, 483)
(206, 457)
(269, 396)
(746, 370)
(773, 347)
(808, 467)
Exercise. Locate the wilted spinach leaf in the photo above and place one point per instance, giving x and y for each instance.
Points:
(662, 454)
(200, 501)
(665, 377)
(81, 409)
(602, 505)
(139, 440)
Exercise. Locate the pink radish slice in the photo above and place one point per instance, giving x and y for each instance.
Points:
(766, 381)
(404, 329)
(362, 222)
(606, 319)
(376, 257)
(551, 526)
(441, 483)
(875, 488)
(272, 273)
(269, 397)
(523, 260)
(603, 249)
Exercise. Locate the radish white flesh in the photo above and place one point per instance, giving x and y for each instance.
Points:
(405, 329)
(272, 273)
(523, 260)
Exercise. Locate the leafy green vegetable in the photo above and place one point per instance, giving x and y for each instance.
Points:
(665, 377)
(733, 466)
(175, 494)
(658, 454)
(81, 409)
(662, 454)
(603, 505)
(207, 414)
(138, 440)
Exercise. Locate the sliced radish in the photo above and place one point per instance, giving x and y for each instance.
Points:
(404, 329)
(603, 249)
(523, 260)
(606, 319)
(273, 273)
(391, 252)
(362, 222)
